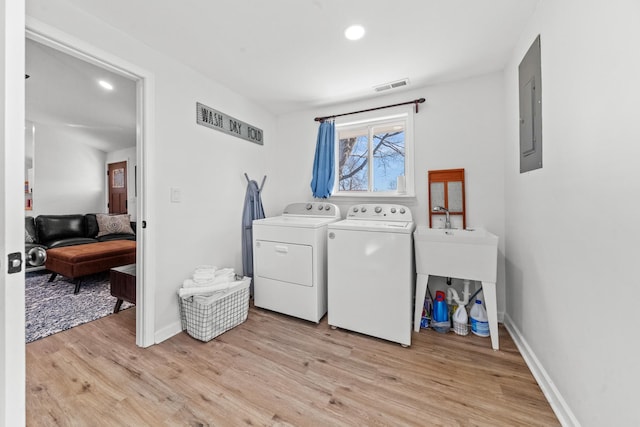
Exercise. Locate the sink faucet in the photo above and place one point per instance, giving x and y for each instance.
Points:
(447, 221)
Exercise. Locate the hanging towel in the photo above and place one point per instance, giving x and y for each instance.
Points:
(252, 210)
(324, 161)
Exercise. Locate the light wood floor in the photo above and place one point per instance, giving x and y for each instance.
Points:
(277, 370)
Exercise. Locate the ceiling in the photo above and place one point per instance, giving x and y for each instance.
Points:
(63, 91)
(291, 55)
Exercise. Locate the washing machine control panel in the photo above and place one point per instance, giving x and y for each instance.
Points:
(387, 212)
(312, 209)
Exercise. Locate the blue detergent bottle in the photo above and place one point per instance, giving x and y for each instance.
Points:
(440, 308)
(440, 316)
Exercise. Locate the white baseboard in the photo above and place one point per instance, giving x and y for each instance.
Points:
(167, 332)
(550, 391)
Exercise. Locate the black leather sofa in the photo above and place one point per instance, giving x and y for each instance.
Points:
(54, 231)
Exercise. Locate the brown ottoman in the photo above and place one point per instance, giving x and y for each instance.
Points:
(81, 260)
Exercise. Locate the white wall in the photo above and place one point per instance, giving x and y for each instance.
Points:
(572, 227)
(69, 175)
(206, 165)
(125, 155)
(461, 125)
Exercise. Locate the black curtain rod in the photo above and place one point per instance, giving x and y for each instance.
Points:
(415, 101)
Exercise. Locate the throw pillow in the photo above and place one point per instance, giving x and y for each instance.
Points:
(28, 238)
(113, 224)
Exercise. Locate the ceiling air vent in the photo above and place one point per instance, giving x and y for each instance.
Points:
(392, 85)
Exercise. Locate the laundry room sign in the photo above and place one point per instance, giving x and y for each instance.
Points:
(214, 119)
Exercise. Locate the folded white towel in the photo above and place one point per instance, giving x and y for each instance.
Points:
(204, 272)
(212, 294)
(185, 292)
(206, 296)
(203, 276)
(229, 276)
(224, 271)
(222, 278)
(205, 268)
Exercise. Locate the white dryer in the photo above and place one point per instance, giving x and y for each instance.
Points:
(290, 260)
(371, 278)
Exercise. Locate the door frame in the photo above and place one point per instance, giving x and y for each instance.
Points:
(145, 276)
(12, 136)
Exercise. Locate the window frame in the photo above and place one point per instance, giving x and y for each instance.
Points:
(372, 119)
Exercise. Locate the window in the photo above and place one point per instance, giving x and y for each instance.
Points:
(375, 156)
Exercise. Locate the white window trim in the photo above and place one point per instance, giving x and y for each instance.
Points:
(402, 112)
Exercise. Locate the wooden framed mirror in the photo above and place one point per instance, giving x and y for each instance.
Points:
(446, 190)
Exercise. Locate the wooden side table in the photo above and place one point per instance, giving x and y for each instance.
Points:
(123, 284)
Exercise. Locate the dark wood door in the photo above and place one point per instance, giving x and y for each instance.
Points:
(117, 175)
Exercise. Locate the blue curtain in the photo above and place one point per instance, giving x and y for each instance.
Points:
(323, 163)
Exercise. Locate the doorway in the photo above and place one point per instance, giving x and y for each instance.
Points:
(141, 85)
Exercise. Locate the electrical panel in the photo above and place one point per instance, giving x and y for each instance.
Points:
(530, 92)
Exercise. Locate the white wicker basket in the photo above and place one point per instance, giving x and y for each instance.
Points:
(460, 328)
(223, 311)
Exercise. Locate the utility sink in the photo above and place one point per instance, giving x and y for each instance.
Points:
(464, 254)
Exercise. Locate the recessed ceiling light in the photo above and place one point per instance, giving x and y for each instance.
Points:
(354, 32)
(106, 85)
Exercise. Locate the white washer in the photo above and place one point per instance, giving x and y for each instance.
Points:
(290, 260)
(371, 277)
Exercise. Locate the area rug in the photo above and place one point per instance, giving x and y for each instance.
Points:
(52, 307)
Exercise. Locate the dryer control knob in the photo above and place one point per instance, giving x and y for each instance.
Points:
(308, 206)
(363, 209)
(393, 210)
(355, 209)
(402, 210)
(320, 207)
(378, 209)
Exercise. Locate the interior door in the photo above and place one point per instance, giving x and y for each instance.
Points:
(117, 175)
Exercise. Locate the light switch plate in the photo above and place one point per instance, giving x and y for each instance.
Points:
(176, 195)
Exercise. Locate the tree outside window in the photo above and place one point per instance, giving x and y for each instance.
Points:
(371, 156)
